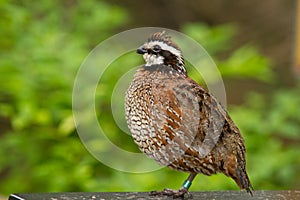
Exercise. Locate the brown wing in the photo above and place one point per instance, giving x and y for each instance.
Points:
(199, 134)
(222, 140)
(175, 119)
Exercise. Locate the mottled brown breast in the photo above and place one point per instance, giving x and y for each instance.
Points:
(176, 122)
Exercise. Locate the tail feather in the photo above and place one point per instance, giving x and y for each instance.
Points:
(242, 177)
(243, 180)
(235, 167)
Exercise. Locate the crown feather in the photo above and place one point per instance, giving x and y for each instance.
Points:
(163, 37)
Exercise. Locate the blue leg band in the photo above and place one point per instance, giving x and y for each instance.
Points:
(187, 184)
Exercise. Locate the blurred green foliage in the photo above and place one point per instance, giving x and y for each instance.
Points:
(41, 48)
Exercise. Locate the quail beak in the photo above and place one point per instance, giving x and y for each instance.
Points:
(141, 50)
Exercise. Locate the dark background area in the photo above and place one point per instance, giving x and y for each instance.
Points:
(270, 25)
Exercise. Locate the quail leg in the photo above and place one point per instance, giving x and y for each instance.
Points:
(184, 189)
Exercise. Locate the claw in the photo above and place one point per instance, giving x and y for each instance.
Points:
(181, 193)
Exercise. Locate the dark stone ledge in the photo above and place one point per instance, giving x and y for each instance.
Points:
(213, 195)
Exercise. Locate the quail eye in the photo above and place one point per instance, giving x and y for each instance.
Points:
(156, 48)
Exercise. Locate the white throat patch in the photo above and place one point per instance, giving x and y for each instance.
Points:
(152, 59)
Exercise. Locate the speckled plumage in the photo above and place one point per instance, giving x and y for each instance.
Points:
(176, 122)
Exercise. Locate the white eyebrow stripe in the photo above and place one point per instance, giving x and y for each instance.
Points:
(164, 46)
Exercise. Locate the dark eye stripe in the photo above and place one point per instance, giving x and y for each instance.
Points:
(165, 53)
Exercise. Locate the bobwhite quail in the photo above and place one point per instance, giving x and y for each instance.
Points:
(178, 123)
